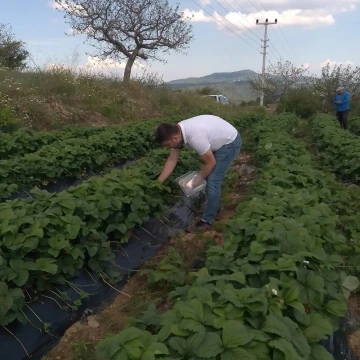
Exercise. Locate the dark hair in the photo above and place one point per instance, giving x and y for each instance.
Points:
(165, 132)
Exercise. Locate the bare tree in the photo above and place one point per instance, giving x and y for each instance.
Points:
(129, 29)
(279, 79)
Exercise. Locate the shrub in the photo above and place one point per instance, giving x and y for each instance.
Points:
(8, 121)
(301, 102)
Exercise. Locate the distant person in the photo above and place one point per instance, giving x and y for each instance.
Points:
(216, 141)
(342, 105)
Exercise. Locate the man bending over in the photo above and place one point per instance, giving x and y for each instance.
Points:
(216, 141)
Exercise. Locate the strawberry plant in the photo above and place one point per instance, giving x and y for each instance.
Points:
(169, 271)
(276, 288)
(46, 240)
(337, 149)
(74, 155)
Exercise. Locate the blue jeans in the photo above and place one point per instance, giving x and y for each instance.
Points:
(224, 157)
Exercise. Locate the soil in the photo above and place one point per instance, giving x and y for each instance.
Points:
(91, 329)
(354, 338)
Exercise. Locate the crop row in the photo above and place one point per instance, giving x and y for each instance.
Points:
(354, 125)
(48, 239)
(274, 290)
(73, 157)
(337, 149)
(25, 141)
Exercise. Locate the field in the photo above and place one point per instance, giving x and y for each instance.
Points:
(273, 280)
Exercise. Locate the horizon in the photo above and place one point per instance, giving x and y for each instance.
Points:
(225, 40)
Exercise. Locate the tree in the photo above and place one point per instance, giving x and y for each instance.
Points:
(207, 90)
(333, 77)
(13, 54)
(279, 79)
(129, 29)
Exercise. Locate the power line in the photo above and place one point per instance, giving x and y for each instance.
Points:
(290, 47)
(241, 7)
(234, 24)
(275, 32)
(223, 24)
(237, 11)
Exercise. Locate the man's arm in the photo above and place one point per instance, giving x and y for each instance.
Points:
(209, 159)
(169, 165)
(346, 99)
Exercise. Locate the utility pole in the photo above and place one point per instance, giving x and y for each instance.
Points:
(265, 46)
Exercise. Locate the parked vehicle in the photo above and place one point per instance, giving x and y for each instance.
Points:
(220, 99)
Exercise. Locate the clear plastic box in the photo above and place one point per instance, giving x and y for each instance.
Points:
(185, 182)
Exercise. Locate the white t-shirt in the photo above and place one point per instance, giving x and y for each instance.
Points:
(205, 132)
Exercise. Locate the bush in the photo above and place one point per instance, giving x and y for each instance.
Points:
(8, 121)
(301, 102)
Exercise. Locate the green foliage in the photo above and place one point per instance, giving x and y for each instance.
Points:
(169, 271)
(8, 121)
(13, 54)
(277, 286)
(332, 143)
(301, 102)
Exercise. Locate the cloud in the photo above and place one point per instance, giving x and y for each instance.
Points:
(304, 13)
(108, 64)
(333, 63)
(197, 16)
(65, 6)
(95, 65)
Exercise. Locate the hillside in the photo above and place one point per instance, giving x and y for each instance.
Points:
(51, 99)
(233, 85)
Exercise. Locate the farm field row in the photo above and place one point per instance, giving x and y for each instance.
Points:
(276, 288)
(48, 238)
(74, 157)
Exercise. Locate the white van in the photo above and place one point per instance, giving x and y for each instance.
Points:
(220, 99)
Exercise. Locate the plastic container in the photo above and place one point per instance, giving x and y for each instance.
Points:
(187, 180)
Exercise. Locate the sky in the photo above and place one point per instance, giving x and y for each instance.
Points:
(226, 38)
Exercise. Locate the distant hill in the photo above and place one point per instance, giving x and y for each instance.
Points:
(234, 85)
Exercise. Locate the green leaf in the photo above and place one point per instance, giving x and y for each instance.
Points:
(158, 349)
(6, 301)
(194, 342)
(211, 346)
(46, 265)
(286, 348)
(273, 325)
(178, 344)
(257, 249)
(337, 308)
(318, 352)
(7, 215)
(238, 354)
(235, 334)
(192, 309)
(191, 325)
(351, 283)
(286, 264)
(134, 352)
(297, 305)
(319, 329)
(22, 277)
(291, 294)
(238, 277)
(73, 230)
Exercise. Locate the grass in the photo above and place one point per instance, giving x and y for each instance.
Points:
(50, 98)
